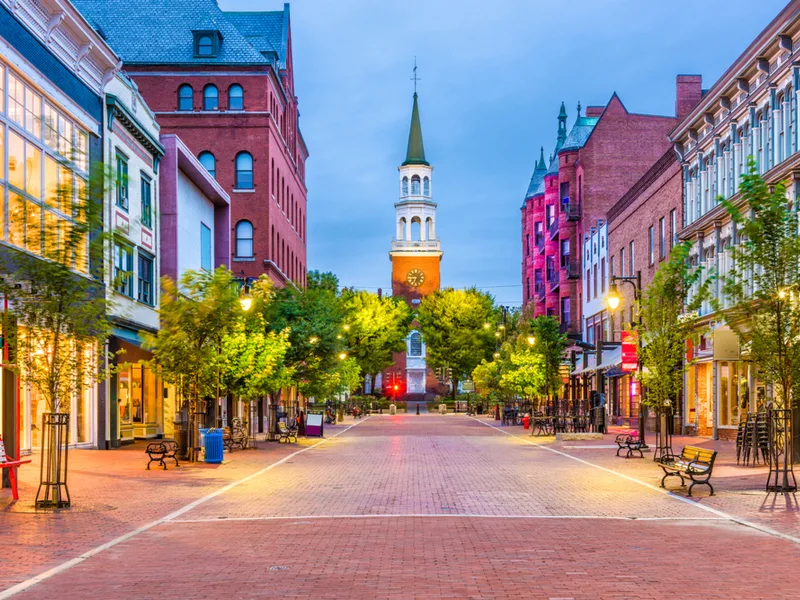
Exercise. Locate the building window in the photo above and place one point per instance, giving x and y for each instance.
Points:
(209, 161)
(651, 247)
(244, 239)
(594, 281)
(527, 244)
(235, 97)
(565, 310)
(122, 182)
(426, 186)
(631, 258)
(415, 185)
(602, 275)
(210, 97)
(549, 215)
(244, 171)
(528, 288)
(123, 270)
(205, 247)
(206, 44)
(622, 262)
(565, 253)
(415, 344)
(662, 242)
(145, 279)
(147, 201)
(405, 186)
(538, 233)
(673, 224)
(611, 266)
(185, 97)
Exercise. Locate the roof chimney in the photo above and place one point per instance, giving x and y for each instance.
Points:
(594, 111)
(688, 92)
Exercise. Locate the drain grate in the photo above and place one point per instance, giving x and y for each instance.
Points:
(278, 568)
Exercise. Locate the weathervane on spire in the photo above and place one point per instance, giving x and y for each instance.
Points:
(415, 79)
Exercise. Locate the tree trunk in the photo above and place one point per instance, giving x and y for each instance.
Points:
(455, 388)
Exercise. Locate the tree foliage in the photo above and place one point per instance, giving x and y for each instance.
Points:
(764, 284)
(667, 319)
(375, 328)
(196, 315)
(525, 374)
(550, 344)
(452, 323)
(55, 298)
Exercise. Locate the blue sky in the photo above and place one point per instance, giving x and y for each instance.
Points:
(493, 76)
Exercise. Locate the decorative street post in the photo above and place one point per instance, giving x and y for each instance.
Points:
(613, 300)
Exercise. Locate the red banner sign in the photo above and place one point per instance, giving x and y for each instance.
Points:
(630, 358)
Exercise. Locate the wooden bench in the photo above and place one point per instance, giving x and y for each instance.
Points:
(235, 435)
(285, 433)
(163, 449)
(629, 440)
(695, 463)
(11, 465)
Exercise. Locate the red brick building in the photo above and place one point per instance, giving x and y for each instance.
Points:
(223, 82)
(606, 151)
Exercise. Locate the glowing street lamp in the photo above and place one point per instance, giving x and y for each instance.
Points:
(313, 339)
(487, 325)
(497, 355)
(613, 298)
(245, 299)
(531, 340)
(342, 355)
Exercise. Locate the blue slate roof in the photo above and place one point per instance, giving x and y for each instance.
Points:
(537, 179)
(266, 31)
(160, 31)
(579, 133)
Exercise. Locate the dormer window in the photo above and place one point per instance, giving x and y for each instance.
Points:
(207, 44)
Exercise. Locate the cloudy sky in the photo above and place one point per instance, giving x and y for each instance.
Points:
(493, 76)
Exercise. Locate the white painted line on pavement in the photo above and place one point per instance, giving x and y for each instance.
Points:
(65, 566)
(669, 494)
(439, 515)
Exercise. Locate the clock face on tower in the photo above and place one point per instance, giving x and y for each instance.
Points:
(415, 277)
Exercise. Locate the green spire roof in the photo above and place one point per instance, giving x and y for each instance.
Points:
(415, 155)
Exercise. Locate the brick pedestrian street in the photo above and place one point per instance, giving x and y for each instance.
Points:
(404, 506)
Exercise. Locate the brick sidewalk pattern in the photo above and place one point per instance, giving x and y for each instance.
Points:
(406, 507)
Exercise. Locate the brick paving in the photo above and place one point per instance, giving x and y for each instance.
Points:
(405, 507)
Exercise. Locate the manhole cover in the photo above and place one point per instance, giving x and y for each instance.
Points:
(278, 568)
(29, 508)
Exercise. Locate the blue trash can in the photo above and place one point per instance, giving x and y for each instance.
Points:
(214, 446)
(202, 444)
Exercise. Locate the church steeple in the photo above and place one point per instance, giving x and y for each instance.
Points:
(415, 154)
(562, 127)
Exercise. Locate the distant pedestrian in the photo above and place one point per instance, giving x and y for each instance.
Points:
(301, 424)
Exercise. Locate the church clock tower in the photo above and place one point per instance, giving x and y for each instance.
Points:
(416, 255)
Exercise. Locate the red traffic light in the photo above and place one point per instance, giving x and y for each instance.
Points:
(396, 387)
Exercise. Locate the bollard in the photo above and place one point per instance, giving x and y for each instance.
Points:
(417, 407)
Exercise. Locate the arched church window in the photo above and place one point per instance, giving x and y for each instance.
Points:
(426, 187)
(415, 344)
(415, 185)
(405, 186)
(416, 227)
(401, 229)
(430, 234)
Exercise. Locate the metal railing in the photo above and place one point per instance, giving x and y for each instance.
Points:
(572, 268)
(415, 245)
(553, 229)
(554, 278)
(573, 210)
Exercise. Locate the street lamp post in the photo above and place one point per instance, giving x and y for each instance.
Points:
(613, 300)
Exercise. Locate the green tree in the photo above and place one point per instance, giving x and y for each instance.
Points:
(457, 328)
(313, 317)
(56, 318)
(487, 377)
(525, 373)
(667, 319)
(551, 344)
(376, 327)
(253, 356)
(763, 286)
(196, 315)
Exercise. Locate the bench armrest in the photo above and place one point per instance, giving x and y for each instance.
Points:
(701, 466)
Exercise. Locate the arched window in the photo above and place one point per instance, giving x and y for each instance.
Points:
(235, 97)
(185, 97)
(430, 234)
(210, 97)
(244, 239)
(205, 47)
(415, 344)
(209, 162)
(416, 227)
(415, 185)
(401, 229)
(405, 186)
(244, 171)
(426, 187)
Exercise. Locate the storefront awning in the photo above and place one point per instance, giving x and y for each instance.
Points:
(127, 335)
(612, 357)
(590, 367)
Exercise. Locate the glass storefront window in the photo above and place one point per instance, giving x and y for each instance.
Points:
(691, 396)
(124, 394)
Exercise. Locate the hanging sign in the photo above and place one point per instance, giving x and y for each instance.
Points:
(630, 358)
